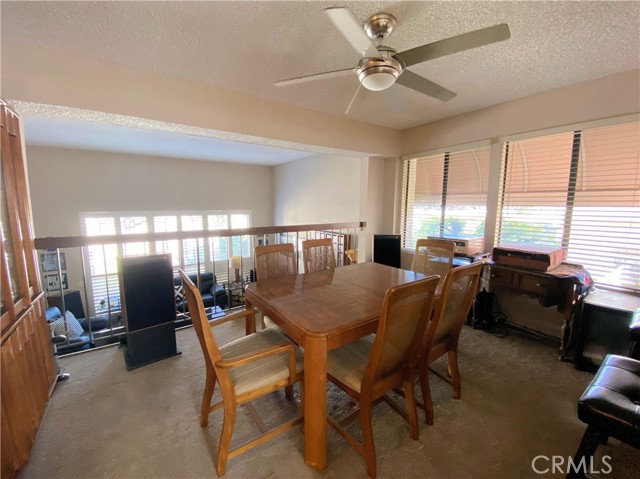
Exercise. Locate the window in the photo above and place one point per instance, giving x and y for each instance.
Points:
(580, 191)
(188, 254)
(445, 195)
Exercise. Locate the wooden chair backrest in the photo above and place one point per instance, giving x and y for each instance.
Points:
(275, 260)
(205, 335)
(405, 312)
(433, 256)
(458, 292)
(318, 255)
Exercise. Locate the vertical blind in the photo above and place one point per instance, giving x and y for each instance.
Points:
(445, 195)
(578, 190)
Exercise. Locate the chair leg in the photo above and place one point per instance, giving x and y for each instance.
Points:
(367, 435)
(206, 399)
(288, 392)
(452, 357)
(228, 424)
(412, 410)
(426, 394)
(588, 445)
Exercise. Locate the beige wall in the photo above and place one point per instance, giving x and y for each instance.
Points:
(607, 97)
(320, 189)
(51, 77)
(66, 182)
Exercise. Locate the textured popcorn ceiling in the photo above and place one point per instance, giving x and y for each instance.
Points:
(246, 46)
(64, 127)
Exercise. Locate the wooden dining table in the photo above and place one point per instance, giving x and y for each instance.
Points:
(321, 311)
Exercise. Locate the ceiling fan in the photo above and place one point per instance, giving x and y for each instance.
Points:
(381, 66)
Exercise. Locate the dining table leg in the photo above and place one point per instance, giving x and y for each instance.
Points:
(315, 402)
(250, 322)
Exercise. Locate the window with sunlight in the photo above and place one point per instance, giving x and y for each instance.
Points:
(189, 254)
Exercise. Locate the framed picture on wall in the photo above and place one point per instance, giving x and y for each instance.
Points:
(52, 282)
(49, 261)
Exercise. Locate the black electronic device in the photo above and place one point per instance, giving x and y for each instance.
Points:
(603, 327)
(386, 250)
(148, 308)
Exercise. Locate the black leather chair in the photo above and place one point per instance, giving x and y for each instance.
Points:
(77, 342)
(634, 332)
(610, 407)
(213, 294)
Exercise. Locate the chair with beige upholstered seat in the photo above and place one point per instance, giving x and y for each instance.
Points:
(273, 261)
(372, 366)
(443, 333)
(246, 368)
(433, 256)
(318, 255)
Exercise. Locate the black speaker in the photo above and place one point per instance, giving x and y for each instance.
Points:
(386, 250)
(148, 308)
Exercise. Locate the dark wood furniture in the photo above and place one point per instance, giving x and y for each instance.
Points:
(602, 327)
(549, 288)
(321, 311)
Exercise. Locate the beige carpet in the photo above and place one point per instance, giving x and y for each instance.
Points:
(518, 402)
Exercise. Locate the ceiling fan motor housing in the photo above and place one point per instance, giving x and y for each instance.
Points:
(378, 74)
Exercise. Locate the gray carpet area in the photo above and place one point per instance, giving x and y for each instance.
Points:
(518, 402)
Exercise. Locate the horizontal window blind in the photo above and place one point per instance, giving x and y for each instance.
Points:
(212, 255)
(580, 191)
(445, 195)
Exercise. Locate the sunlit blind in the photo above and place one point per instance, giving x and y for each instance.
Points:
(103, 265)
(134, 225)
(192, 248)
(445, 195)
(580, 191)
(605, 225)
(168, 224)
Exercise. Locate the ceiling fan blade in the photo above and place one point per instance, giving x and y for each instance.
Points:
(394, 100)
(353, 99)
(352, 30)
(422, 85)
(313, 76)
(459, 43)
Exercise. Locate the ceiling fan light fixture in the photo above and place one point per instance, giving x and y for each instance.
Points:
(378, 81)
(377, 74)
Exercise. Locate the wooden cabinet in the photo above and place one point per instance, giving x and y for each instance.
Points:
(28, 368)
(549, 289)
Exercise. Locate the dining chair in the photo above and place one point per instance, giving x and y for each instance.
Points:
(433, 256)
(318, 254)
(275, 260)
(370, 367)
(272, 261)
(246, 368)
(443, 333)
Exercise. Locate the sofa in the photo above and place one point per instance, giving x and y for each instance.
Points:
(77, 329)
(213, 294)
